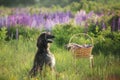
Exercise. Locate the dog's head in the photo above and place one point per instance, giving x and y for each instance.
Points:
(44, 39)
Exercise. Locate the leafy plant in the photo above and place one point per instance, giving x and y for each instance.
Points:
(3, 32)
(64, 32)
(107, 42)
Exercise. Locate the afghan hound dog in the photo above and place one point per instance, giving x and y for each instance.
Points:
(43, 56)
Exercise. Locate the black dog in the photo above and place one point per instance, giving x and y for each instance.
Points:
(43, 55)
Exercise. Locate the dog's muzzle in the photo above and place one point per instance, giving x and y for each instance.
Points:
(50, 39)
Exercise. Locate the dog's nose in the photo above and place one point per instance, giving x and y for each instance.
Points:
(53, 36)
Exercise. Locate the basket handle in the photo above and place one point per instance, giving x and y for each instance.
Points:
(82, 34)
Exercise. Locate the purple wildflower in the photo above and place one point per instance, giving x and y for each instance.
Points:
(119, 24)
(113, 24)
(103, 26)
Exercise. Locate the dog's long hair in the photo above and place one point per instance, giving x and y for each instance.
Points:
(43, 55)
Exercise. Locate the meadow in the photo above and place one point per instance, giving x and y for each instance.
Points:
(17, 58)
(20, 28)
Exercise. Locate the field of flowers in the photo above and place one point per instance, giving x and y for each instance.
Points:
(47, 20)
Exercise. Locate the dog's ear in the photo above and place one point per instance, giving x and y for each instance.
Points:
(38, 42)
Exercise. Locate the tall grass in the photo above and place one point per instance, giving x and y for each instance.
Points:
(16, 60)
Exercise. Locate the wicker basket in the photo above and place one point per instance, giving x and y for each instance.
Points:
(82, 51)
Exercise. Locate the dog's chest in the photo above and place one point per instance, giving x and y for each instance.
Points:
(50, 59)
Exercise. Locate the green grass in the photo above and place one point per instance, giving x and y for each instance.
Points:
(16, 60)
